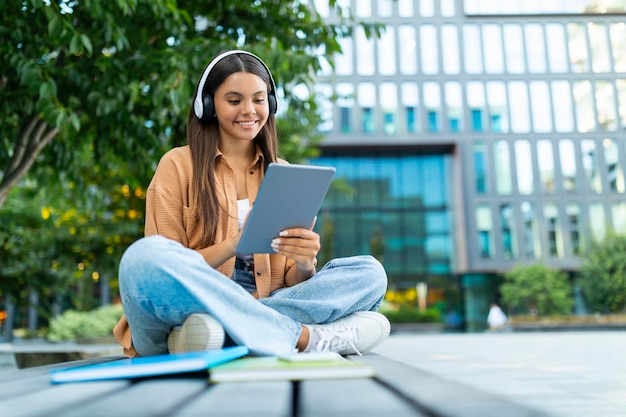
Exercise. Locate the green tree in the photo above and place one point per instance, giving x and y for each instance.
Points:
(92, 93)
(118, 75)
(602, 277)
(545, 288)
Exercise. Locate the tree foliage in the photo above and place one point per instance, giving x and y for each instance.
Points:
(539, 286)
(93, 92)
(602, 277)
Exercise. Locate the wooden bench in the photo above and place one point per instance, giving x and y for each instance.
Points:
(397, 390)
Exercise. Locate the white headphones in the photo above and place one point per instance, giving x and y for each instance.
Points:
(203, 106)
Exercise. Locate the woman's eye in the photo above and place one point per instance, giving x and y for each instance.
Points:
(233, 101)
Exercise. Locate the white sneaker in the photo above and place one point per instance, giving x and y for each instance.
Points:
(356, 333)
(198, 332)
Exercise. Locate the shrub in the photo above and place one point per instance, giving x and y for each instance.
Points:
(410, 314)
(602, 277)
(546, 289)
(95, 323)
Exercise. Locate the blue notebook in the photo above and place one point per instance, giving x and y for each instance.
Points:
(147, 366)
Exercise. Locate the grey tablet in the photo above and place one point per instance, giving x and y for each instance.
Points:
(290, 196)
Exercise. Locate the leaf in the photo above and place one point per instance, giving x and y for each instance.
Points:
(87, 43)
(55, 26)
(75, 45)
(75, 121)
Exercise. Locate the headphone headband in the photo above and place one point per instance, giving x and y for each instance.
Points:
(198, 103)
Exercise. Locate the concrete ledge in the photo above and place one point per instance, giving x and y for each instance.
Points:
(29, 355)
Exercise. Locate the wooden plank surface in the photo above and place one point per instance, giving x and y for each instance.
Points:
(439, 397)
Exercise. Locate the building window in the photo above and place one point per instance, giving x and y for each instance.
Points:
(484, 227)
(410, 101)
(532, 244)
(621, 97)
(345, 103)
(476, 103)
(578, 56)
(597, 221)
(507, 223)
(498, 107)
(605, 106)
(520, 116)
(590, 165)
(450, 40)
(405, 8)
(557, 58)
(365, 58)
(323, 96)
(502, 164)
(524, 165)
(432, 102)
(618, 41)
(343, 60)
(553, 227)
(473, 53)
(408, 49)
(344, 115)
(562, 106)
(584, 102)
(567, 156)
(540, 106)
(615, 174)
(575, 228)
(367, 119)
(366, 97)
(429, 49)
(454, 106)
(492, 45)
(545, 161)
(514, 51)
(619, 217)
(389, 106)
(387, 52)
(535, 48)
(599, 46)
(480, 167)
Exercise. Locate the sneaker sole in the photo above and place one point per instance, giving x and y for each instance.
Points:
(199, 332)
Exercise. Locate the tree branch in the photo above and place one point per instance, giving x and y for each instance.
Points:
(29, 145)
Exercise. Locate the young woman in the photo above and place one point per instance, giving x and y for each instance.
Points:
(182, 286)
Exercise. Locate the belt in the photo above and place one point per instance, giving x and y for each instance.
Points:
(244, 265)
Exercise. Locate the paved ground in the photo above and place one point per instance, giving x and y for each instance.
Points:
(568, 374)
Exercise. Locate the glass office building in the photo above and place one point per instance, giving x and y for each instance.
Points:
(473, 136)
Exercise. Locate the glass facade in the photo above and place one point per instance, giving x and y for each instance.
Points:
(394, 205)
(527, 99)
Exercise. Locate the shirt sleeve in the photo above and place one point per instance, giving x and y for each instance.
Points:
(165, 205)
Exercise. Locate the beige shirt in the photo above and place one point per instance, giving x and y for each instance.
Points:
(170, 212)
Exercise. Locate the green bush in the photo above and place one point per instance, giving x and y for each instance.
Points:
(410, 314)
(602, 277)
(539, 286)
(95, 323)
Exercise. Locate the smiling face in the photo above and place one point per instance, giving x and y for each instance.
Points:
(241, 106)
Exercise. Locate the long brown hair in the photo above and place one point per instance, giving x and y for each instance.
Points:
(203, 140)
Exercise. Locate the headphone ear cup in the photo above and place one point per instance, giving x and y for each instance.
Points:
(273, 104)
(208, 112)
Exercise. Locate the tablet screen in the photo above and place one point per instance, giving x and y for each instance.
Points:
(290, 196)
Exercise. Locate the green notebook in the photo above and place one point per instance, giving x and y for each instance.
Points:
(271, 368)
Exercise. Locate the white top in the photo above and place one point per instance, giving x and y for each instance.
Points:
(242, 210)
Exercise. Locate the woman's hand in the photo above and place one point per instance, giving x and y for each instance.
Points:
(301, 245)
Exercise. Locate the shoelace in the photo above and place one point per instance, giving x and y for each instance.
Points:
(336, 339)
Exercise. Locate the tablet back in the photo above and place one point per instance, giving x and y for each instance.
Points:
(290, 196)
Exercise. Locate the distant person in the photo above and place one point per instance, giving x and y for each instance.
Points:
(183, 287)
(496, 318)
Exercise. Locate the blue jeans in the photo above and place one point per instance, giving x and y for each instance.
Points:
(162, 282)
